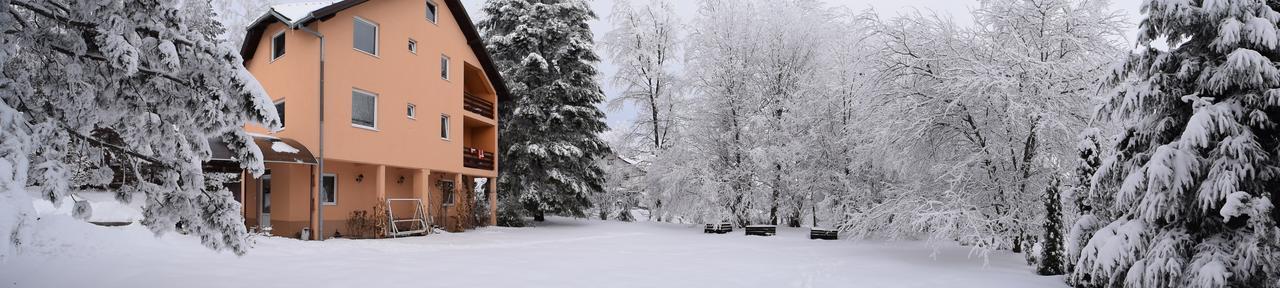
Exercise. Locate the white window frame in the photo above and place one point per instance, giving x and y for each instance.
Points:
(446, 126)
(273, 46)
(375, 110)
(335, 189)
(377, 36)
(445, 62)
(433, 12)
(413, 46)
(412, 111)
(286, 106)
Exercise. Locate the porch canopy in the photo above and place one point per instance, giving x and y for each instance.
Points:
(274, 150)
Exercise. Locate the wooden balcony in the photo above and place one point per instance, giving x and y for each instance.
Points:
(476, 158)
(477, 105)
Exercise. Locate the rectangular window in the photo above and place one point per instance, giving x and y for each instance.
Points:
(280, 112)
(444, 127)
(329, 189)
(444, 67)
(364, 109)
(365, 36)
(277, 45)
(413, 46)
(431, 11)
(413, 111)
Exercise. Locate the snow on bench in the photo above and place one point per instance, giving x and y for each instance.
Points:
(718, 228)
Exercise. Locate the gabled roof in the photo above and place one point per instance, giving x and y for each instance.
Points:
(295, 15)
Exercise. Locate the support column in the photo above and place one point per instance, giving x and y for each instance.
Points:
(493, 201)
(380, 182)
(458, 192)
(421, 190)
(316, 178)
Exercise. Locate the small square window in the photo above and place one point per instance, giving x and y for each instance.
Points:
(412, 111)
(444, 67)
(413, 46)
(444, 126)
(431, 11)
(277, 45)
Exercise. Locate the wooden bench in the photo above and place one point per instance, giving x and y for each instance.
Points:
(824, 234)
(761, 230)
(718, 228)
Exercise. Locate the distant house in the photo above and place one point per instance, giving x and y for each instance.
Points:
(409, 113)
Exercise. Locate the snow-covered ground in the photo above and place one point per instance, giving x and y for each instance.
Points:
(560, 253)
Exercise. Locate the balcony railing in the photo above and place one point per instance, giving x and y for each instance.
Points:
(477, 105)
(476, 158)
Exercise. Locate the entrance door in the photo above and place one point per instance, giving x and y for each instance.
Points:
(264, 193)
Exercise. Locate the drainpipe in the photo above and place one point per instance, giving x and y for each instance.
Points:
(320, 158)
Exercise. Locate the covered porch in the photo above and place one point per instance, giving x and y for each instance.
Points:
(358, 200)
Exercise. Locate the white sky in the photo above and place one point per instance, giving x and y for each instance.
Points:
(958, 9)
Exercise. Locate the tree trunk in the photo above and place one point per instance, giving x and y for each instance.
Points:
(538, 214)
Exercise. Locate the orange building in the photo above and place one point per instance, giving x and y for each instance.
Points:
(407, 119)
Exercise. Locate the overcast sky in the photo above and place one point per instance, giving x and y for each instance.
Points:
(958, 9)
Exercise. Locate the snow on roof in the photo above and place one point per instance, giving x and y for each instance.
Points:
(280, 146)
(297, 11)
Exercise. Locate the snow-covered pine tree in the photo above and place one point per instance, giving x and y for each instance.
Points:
(1051, 258)
(549, 133)
(1080, 213)
(1194, 178)
(134, 89)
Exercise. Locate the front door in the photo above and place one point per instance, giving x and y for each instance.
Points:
(264, 192)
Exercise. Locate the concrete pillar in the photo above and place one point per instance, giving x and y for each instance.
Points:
(422, 190)
(316, 175)
(380, 182)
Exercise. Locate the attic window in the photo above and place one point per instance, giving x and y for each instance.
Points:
(413, 46)
(277, 45)
(431, 11)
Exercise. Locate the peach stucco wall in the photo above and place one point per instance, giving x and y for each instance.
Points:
(399, 146)
(396, 75)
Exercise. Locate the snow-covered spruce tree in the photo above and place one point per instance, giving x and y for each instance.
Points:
(549, 141)
(1194, 177)
(1081, 211)
(1051, 258)
(133, 90)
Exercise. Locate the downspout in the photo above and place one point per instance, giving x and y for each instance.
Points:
(320, 157)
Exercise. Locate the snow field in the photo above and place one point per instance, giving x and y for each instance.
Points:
(559, 253)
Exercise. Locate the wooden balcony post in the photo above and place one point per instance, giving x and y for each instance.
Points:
(493, 201)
